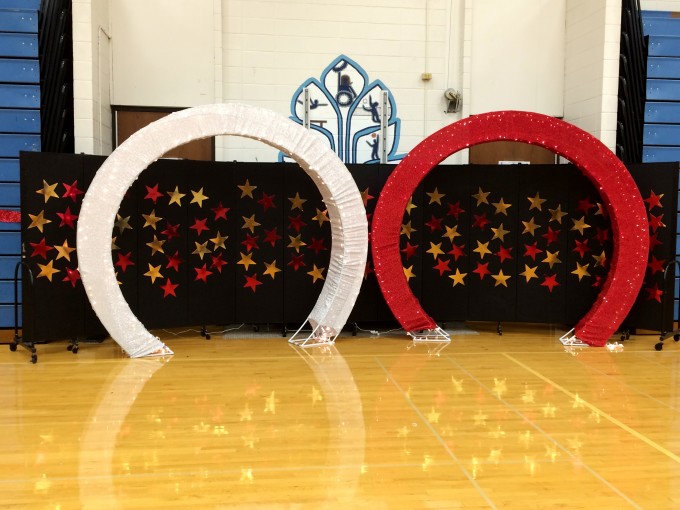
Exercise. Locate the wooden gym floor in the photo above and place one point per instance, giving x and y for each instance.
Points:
(373, 422)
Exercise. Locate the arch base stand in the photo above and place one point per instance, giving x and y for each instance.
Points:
(570, 339)
(430, 335)
(320, 335)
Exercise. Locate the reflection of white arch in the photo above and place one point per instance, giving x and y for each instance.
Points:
(101, 203)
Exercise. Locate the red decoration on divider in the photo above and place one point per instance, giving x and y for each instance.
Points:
(616, 186)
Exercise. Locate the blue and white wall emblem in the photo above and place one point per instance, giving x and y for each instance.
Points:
(358, 117)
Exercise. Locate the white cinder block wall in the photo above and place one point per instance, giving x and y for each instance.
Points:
(175, 53)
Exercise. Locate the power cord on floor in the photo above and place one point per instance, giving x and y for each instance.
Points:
(375, 332)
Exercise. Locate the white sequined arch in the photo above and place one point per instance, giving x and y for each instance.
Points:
(346, 211)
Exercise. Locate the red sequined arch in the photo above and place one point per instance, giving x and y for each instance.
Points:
(616, 186)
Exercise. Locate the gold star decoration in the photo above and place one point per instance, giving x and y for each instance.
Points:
(581, 271)
(156, 245)
(435, 250)
(122, 224)
(201, 249)
(151, 219)
(548, 410)
(481, 197)
(246, 189)
(410, 206)
(580, 225)
(458, 277)
(501, 279)
(451, 233)
(199, 197)
(499, 233)
(246, 260)
(153, 273)
(435, 197)
(551, 258)
(219, 240)
(47, 191)
(271, 269)
(316, 273)
(64, 251)
(114, 246)
(501, 207)
(407, 230)
(557, 214)
(530, 226)
(408, 273)
(480, 419)
(250, 223)
(536, 202)
(38, 221)
(47, 270)
(600, 259)
(175, 196)
(321, 217)
(529, 272)
(482, 249)
(296, 202)
(296, 242)
(433, 416)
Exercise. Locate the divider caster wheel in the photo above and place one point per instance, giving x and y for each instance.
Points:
(207, 336)
(12, 347)
(658, 346)
(74, 350)
(676, 337)
(69, 347)
(34, 358)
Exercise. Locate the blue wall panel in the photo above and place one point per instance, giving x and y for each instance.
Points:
(664, 46)
(20, 121)
(663, 90)
(663, 67)
(19, 96)
(9, 169)
(7, 291)
(10, 243)
(19, 70)
(16, 20)
(7, 316)
(7, 265)
(657, 112)
(661, 26)
(31, 5)
(660, 154)
(9, 197)
(18, 45)
(11, 145)
(661, 134)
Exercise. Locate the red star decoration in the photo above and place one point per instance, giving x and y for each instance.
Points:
(174, 261)
(654, 293)
(368, 269)
(653, 200)
(40, 249)
(67, 218)
(252, 282)
(72, 191)
(456, 251)
(656, 265)
(365, 196)
(72, 275)
(296, 262)
(250, 243)
(550, 282)
(582, 247)
(455, 210)
(152, 193)
(551, 236)
(410, 250)
(531, 250)
(217, 262)
(202, 273)
(317, 245)
(296, 223)
(169, 288)
(598, 281)
(482, 270)
(655, 222)
(442, 266)
(124, 261)
(585, 205)
(271, 236)
(503, 253)
(602, 235)
(220, 211)
(480, 221)
(434, 223)
(171, 230)
(267, 202)
(653, 241)
(199, 226)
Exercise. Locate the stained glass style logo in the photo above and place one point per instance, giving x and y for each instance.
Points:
(346, 108)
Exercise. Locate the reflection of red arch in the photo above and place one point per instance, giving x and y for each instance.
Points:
(615, 185)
